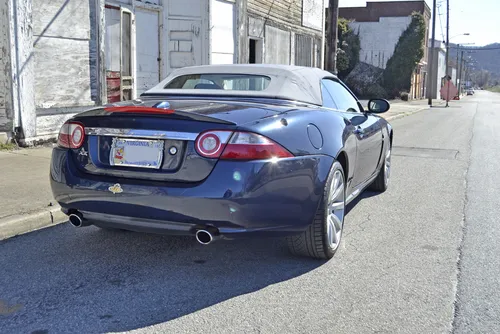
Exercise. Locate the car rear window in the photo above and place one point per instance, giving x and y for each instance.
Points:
(242, 82)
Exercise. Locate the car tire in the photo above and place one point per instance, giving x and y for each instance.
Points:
(381, 183)
(322, 238)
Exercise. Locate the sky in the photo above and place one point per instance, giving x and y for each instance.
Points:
(480, 18)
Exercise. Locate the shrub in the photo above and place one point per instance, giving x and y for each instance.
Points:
(408, 52)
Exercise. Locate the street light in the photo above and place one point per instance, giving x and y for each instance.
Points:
(463, 34)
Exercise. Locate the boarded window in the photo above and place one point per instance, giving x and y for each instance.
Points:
(303, 50)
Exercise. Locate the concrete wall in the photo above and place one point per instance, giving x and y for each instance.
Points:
(378, 39)
(22, 67)
(65, 49)
(6, 112)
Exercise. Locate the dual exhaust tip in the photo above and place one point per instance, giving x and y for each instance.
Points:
(204, 237)
(76, 219)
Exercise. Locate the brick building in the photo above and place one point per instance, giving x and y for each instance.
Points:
(380, 24)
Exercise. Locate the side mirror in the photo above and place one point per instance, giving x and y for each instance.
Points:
(378, 106)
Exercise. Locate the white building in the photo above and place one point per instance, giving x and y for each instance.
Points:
(379, 26)
(438, 74)
(64, 56)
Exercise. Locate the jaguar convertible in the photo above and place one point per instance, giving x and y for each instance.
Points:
(226, 152)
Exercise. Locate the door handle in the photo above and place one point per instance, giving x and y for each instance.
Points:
(359, 131)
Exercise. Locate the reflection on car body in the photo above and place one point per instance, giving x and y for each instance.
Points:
(225, 152)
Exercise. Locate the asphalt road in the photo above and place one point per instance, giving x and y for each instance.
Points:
(421, 258)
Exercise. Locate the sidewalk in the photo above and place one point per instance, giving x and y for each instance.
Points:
(26, 202)
(401, 108)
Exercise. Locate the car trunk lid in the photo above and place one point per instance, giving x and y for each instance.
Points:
(155, 139)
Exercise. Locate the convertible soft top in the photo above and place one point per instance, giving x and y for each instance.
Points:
(295, 83)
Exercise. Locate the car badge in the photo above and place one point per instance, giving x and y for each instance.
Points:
(162, 105)
(83, 153)
(116, 188)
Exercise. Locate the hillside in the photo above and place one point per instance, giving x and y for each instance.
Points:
(486, 57)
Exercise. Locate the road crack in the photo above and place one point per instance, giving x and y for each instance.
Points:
(456, 302)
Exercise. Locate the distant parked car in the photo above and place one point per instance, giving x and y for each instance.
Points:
(226, 151)
(470, 92)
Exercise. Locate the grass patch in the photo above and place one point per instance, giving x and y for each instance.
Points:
(8, 147)
(495, 89)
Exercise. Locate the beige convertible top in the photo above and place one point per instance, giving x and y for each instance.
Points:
(295, 83)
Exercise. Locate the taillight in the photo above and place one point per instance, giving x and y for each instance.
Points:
(251, 146)
(71, 135)
(211, 144)
(241, 146)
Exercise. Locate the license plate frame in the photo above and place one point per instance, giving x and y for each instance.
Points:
(123, 150)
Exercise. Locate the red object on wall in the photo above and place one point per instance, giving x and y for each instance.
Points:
(113, 86)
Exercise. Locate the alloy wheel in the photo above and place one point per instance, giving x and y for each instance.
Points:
(336, 210)
(387, 166)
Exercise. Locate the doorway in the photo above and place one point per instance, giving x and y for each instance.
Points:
(119, 53)
(255, 47)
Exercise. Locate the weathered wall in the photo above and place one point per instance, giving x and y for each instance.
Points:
(288, 12)
(290, 30)
(277, 46)
(21, 46)
(187, 33)
(302, 16)
(378, 39)
(65, 53)
(6, 112)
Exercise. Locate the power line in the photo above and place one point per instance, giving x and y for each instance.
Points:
(440, 22)
(475, 49)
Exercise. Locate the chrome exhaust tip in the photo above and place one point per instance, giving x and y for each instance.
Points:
(76, 220)
(204, 237)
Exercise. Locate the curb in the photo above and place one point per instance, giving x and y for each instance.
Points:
(24, 223)
(408, 113)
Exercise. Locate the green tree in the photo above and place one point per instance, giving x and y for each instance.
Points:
(408, 52)
(348, 50)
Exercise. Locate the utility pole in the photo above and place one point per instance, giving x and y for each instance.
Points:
(456, 79)
(333, 17)
(430, 83)
(448, 49)
(460, 71)
(323, 34)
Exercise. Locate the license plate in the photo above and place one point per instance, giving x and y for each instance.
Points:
(141, 153)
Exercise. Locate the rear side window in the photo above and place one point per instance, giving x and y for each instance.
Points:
(242, 82)
(341, 96)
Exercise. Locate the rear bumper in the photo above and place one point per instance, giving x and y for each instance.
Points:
(260, 198)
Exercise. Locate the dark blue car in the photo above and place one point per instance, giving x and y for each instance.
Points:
(226, 151)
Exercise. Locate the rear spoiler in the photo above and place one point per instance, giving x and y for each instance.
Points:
(175, 114)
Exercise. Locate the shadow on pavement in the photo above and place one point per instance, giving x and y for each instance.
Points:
(63, 279)
(363, 195)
